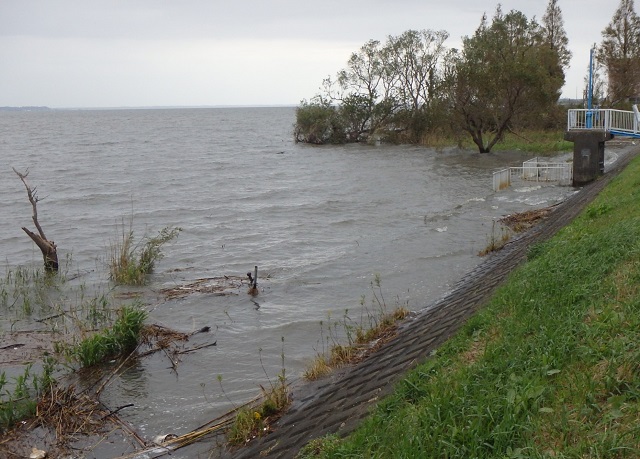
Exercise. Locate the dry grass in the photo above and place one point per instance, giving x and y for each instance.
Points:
(62, 416)
(366, 342)
(524, 220)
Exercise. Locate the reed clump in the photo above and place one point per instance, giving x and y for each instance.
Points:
(130, 262)
(119, 339)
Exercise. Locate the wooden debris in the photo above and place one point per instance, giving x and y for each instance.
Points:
(522, 221)
(221, 286)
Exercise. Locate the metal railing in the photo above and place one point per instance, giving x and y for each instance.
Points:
(534, 170)
(619, 122)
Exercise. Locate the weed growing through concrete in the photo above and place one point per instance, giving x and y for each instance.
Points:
(375, 325)
(254, 420)
(496, 241)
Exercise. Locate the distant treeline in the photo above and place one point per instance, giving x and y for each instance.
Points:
(24, 109)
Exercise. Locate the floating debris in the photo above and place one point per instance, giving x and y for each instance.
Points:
(522, 221)
(160, 439)
(37, 453)
(221, 286)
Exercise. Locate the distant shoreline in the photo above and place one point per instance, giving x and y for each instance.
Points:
(152, 107)
(24, 109)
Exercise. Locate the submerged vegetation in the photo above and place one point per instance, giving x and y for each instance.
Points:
(130, 263)
(69, 325)
(549, 368)
(119, 339)
(19, 398)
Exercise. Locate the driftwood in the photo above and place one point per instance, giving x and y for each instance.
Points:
(47, 247)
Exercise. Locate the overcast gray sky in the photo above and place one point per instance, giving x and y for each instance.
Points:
(114, 53)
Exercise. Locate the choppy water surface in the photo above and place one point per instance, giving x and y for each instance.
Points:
(318, 221)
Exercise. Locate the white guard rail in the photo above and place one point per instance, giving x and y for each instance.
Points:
(616, 121)
(534, 170)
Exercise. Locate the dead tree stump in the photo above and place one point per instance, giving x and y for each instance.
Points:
(47, 247)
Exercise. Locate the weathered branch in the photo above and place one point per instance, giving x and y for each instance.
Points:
(33, 199)
(47, 247)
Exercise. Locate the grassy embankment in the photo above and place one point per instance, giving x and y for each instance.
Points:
(549, 368)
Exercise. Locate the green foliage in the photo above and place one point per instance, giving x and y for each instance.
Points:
(618, 53)
(405, 90)
(598, 210)
(129, 264)
(387, 91)
(18, 398)
(119, 339)
(549, 368)
(504, 72)
(318, 123)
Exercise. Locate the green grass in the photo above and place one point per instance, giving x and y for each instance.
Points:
(539, 142)
(121, 338)
(549, 368)
(19, 398)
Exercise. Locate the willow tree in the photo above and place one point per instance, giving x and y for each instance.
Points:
(505, 72)
(385, 87)
(411, 62)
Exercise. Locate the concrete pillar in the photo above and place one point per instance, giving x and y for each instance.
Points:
(588, 154)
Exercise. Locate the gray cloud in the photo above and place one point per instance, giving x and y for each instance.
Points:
(161, 52)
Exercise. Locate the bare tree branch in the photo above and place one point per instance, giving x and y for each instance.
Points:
(47, 247)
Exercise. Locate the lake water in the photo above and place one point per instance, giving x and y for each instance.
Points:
(319, 222)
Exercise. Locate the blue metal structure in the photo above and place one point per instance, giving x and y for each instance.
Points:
(616, 122)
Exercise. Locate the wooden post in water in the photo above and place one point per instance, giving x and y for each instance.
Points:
(253, 282)
(255, 277)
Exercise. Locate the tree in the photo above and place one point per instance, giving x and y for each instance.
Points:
(619, 54)
(411, 67)
(554, 34)
(363, 93)
(506, 71)
(386, 88)
(318, 122)
(48, 248)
